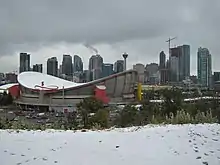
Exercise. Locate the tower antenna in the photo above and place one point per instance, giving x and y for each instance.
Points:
(125, 56)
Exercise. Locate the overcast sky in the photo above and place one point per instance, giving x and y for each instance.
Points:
(46, 28)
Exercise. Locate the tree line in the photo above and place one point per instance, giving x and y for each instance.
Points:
(173, 110)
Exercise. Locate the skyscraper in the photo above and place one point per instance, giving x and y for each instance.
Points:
(52, 66)
(85, 76)
(204, 70)
(24, 62)
(174, 64)
(107, 70)
(184, 62)
(59, 72)
(162, 61)
(179, 63)
(77, 64)
(119, 66)
(216, 77)
(163, 68)
(152, 73)
(95, 66)
(67, 65)
(140, 68)
(38, 68)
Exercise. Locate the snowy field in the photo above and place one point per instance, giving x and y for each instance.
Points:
(165, 145)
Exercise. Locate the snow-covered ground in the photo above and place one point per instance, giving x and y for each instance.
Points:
(153, 145)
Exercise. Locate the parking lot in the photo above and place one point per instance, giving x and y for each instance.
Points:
(33, 116)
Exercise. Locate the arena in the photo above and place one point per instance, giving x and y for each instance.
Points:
(38, 89)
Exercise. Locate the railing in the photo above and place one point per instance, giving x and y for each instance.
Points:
(48, 88)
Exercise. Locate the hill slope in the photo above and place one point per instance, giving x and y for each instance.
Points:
(167, 145)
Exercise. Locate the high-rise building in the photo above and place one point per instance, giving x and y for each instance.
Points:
(38, 68)
(140, 68)
(67, 65)
(179, 63)
(95, 61)
(174, 65)
(60, 71)
(162, 60)
(152, 70)
(184, 62)
(164, 76)
(52, 66)
(216, 76)
(107, 70)
(11, 77)
(204, 70)
(85, 76)
(163, 68)
(119, 66)
(216, 81)
(77, 64)
(24, 62)
(95, 66)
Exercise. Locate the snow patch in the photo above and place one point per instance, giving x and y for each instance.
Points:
(155, 145)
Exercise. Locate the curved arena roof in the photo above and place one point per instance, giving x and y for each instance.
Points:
(41, 81)
(34, 80)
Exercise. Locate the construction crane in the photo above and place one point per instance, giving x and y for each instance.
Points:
(169, 42)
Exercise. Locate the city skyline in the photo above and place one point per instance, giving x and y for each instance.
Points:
(130, 66)
(142, 34)
(173, 69)
(130, 62)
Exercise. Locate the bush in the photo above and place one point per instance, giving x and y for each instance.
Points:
(205, 117)
(172, 101)
(90, 104)
(100, 119)
(148, 111)
(87, 106)
(128, 116)
(183, 117)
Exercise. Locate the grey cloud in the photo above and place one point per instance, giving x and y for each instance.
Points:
(29, 21)
(30, 24)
